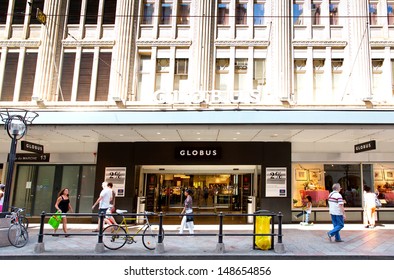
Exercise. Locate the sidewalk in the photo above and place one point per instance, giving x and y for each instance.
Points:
(300, 242)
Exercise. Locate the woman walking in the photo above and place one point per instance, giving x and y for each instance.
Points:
(187, 220)
(63, 205)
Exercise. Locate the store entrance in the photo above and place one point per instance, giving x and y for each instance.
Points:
(215, 188)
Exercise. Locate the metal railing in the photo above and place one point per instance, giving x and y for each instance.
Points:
(276, 219)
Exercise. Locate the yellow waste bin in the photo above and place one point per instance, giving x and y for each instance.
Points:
(262, 225)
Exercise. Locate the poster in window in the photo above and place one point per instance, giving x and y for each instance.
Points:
(117, 176)
(275, 182)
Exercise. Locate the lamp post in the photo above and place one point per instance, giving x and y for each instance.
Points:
(15, 122)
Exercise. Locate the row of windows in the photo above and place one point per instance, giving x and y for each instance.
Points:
(92, 10)
(85, 75)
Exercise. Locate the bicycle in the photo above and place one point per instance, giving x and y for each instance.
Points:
(116, 236)
(17, 232)
(21, 218)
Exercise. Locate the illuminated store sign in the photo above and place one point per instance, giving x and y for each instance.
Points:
(198, 153)
(207, 96)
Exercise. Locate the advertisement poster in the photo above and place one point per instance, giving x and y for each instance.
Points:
(275, 182)
(117, 176)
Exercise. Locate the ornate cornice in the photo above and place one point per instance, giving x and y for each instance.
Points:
(243, 43)
(386, 43)
(333, 44)
(160, 43)
(96, 43)
(20, 43)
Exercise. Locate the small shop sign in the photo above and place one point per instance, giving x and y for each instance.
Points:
(366, 146)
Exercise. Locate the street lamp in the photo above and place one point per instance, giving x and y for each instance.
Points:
(15, 122)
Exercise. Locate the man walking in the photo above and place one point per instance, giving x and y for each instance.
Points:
(337, 212)
(103, 201)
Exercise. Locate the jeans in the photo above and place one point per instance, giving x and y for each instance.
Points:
(338, 223)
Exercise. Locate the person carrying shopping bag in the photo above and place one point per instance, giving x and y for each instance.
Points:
(187, 220)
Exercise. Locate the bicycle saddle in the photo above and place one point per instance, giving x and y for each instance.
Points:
(120, 211)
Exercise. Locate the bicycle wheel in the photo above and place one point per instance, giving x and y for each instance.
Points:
(18, 235)
(151, 236)
(114, 237)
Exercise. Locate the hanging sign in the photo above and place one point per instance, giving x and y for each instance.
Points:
(275, 178)
(117, 176)
(366, 146)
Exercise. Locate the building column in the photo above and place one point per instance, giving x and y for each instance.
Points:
(47, 70)
(360, 59)
(281, 45)
(203, 45)
(122, 51)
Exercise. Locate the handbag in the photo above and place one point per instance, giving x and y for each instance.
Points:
(55, 220)
(189, 218)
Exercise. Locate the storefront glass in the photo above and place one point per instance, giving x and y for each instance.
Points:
(316, 180)
(37, 186)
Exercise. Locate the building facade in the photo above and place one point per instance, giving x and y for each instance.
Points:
(307, 79)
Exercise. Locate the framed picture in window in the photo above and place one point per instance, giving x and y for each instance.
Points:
(315, 174)
(301, 174)
(378, 174)
(389, 175)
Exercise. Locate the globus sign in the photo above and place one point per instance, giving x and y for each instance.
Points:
(197, 153)
(214, 96)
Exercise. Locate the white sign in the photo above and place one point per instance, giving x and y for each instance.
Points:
(117, 176)
(275, 178)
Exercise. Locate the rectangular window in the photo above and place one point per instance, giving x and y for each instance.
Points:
(104, 71)
(18, 15)
(390, 13)
(240, 74)
(29, 73)
(144, 80)
(85, 77)
(37, 4)
(333, 13)
(148, 13)
(377, 75)
(184, 13)
(298, 11)
(241, 13)
(258, 13)
(92, 12)
(162, 74)
(223, 13)
(3, 11)
(300, 80)
(392, 76)
(74, 12)
(67, 77)
(11, 66)
(373, 13)
(336, 70)
(318, 75)
(222, 73)
(181, 74)
(259, 73)
(166, 13)
(315, 9)
(109, 12)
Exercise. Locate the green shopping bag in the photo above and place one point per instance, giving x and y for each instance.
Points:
(55, 220)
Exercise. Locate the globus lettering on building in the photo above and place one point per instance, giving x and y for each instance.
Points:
(215, 96)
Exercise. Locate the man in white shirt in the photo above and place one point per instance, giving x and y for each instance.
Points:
(103, 201)
(337, 212)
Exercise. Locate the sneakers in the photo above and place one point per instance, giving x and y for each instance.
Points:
(339, 240)
(329, 236)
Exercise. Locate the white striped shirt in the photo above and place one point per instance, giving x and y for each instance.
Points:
(334, 200)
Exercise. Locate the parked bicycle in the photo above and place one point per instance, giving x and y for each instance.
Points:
(116, 236)
(21, 217)
(17, 232)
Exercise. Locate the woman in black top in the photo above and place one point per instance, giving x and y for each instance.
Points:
(63, 204)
